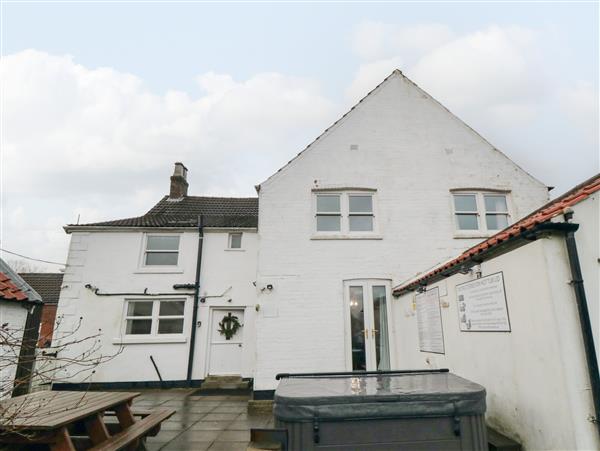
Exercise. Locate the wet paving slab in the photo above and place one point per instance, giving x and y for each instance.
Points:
(211, 423)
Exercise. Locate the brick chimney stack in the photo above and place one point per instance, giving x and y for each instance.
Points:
(179, 184)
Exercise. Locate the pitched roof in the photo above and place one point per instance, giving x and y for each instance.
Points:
(185, 212)
(47, 284)
(543, 214)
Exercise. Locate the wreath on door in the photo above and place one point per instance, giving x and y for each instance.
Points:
(229, 325)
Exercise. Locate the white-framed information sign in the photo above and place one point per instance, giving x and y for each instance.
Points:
(482, 305)
(429, 321)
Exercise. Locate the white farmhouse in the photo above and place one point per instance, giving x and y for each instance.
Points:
(134, 280)
(397, 183)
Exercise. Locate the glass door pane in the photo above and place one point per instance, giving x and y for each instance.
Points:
(380, 328)
(357, 328)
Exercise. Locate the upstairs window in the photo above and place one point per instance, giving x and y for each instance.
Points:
(483, 212)
(328, 213)
(344, 213)
(154, 317)
(496, 211)
(235, 241)
(161, 250)
(465, 210)
(360, 212)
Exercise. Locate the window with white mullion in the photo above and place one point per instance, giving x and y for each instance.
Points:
(491, 207)
(466, 211)
(170, 317)
(360, 212)
(155, 317)
(139, 319)
(161, 250)
(496, 211)
(328, 213)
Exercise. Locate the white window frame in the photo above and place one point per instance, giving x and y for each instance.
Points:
(328, 213)
(344, 232)
(145, 251)
(358, 214)
(481, 213)
(230, 239)
(155, 317)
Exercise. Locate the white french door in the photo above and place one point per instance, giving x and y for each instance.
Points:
(367, 313)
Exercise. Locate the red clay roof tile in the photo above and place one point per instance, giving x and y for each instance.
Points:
(9, 291)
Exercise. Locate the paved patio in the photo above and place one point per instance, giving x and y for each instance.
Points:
(202, 422)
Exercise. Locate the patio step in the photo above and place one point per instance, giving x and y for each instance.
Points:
(216, 378)
(212, 383)
(260, 406)
(264, 446)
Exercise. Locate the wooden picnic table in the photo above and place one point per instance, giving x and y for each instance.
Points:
(49, 417)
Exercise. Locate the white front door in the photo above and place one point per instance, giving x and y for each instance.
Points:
(367, 316)
(226, 341)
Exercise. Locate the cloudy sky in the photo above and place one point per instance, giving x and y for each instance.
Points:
(98, 100)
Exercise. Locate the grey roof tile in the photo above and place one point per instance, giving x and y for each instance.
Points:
(47, 284)
(185, 212)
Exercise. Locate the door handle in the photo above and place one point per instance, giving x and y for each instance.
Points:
(373, 332)
(366, 332)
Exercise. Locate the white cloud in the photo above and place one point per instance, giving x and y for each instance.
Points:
(492, 70)
(99, 143)
(488, 68)
(378, 40)
(580, 103)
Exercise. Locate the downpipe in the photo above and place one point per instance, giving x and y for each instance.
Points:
(192, 346)
(584, 319)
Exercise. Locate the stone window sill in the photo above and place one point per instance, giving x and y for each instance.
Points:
(159, 270)
(346, 237)
(153, 339)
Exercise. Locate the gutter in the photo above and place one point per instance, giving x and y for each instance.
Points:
(83, 228)
(584, 321)
(196, 297)
(509, 244)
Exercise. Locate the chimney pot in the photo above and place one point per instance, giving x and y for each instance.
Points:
(179, 184)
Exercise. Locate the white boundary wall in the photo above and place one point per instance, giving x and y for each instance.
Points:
(538, 389)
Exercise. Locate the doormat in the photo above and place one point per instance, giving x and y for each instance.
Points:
(223, 392)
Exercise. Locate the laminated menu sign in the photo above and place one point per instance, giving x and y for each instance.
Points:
(482, 305)
(429, 319)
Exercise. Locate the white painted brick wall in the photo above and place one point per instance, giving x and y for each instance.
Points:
(110, 261)
(413, 152)
(14, 315)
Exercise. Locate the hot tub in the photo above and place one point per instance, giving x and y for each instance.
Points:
(414, 410)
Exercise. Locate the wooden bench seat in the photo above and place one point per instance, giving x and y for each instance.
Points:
(136, 431)
(135, 412)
